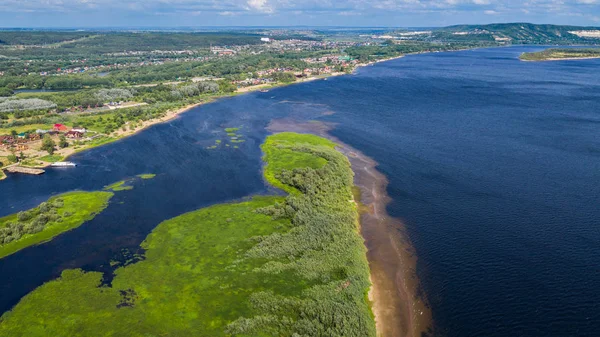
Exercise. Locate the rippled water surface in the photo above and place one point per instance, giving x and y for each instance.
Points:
(494, 166)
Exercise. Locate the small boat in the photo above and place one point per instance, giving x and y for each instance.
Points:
(264, 90)
(63, 164)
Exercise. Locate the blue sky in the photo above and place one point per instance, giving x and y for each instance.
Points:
(401, 13)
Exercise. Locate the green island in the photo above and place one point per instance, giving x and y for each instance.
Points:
(119, 186)
(126, 184)
(51, 218)
(556, 54)
(267, 266)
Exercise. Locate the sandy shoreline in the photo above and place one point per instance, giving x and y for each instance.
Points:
(120, 134)
(397, 303)
(171, 114)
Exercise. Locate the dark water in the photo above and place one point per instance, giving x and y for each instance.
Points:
(494, 165)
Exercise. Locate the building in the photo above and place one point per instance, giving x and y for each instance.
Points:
(7, 139)
(59, 127)
(79, 129)
(74, 134)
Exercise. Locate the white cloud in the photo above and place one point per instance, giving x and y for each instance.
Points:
(521, 9)
(260, 5)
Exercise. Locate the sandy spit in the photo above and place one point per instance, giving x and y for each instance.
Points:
(400, 308)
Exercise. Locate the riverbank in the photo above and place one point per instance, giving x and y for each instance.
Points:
(399, 307)
(129, 130)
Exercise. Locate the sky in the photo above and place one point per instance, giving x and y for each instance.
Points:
(368, 13)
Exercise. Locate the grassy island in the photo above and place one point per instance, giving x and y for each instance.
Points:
(556, 54)
(51, 218)
(119, 186)
(269, 266)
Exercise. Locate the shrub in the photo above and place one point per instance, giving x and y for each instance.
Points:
(44, 207)
(24, 216)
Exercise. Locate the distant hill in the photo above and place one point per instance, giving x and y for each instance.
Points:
(522, 33)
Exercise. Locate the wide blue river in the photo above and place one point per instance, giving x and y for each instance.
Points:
(493, 163)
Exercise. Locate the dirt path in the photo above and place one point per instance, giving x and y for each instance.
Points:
(398, 308)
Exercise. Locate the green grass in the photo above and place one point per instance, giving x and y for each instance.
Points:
(279, 159)
(119, 186)
(29, 162)
(82, 206)
(146, 175)
(2, 175)
(99, 141)
(51, 158)
(24, 128)
(231, 130)
(237, 269)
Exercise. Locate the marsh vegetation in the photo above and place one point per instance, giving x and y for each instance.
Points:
(268, 266)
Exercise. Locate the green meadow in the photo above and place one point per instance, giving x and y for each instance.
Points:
(266, 266)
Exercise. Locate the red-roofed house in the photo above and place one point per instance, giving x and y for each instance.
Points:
(59, 127)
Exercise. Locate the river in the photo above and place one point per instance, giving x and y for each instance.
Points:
(493, 167)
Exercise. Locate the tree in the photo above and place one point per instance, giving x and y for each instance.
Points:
(48, 145)
(21, 155)
(62, 142)
(12, 158)
(13, 133)
(5, 92)
(284, 77)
